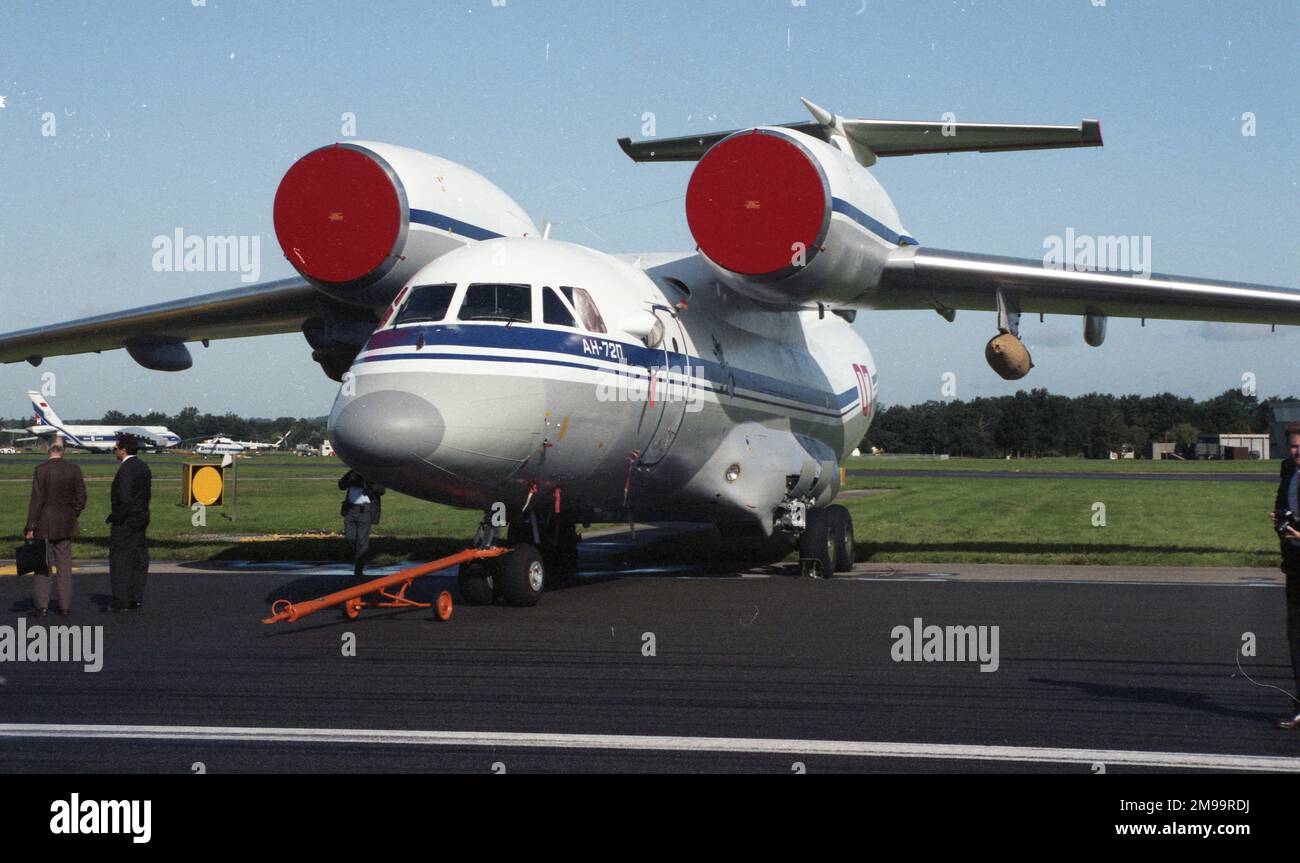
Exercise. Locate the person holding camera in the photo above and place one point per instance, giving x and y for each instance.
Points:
(1286, 518)
(360, 509)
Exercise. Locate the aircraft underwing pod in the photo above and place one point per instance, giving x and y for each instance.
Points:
(357, 220)
(781, 217)
(1094, 328)
(160, 356)
(1008, 356)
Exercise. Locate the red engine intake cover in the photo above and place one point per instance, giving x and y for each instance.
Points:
(752, 198)
(338, 215)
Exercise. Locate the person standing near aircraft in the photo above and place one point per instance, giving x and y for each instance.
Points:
(128, 550)
(58, 497)
(360, 510)
(1288, 501)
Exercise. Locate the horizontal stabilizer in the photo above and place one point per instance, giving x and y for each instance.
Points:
(872, 139)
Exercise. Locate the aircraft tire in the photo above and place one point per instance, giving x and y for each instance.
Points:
(478, 580)
(817, 547)
(559, 550)
(842, 530)
(522, 575)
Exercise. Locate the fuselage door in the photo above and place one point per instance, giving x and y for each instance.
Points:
(670, 389)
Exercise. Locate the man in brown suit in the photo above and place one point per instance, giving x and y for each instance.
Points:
(58, 497)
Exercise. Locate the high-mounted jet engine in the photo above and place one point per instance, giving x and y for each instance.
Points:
(358, 220)
(759, 205)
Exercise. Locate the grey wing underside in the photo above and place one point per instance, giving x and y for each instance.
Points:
(256, 310)
(923, 278)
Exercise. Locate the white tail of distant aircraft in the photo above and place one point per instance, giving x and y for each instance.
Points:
(257, 445)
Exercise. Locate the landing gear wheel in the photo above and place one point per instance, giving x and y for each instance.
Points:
(842, 531)
(559, 549)
(817, 557)
(352, 608)
(442, 608)
(478, 580)
(523, 575)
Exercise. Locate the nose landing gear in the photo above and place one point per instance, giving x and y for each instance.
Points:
(557, 540)
(539, 555)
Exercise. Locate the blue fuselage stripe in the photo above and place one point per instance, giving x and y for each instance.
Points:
(844, 208)
(567, 349)
(455, 226)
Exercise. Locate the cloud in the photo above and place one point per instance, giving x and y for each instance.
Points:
(1050, 336)
(1233, 332)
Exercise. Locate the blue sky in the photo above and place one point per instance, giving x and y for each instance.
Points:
(175, 116)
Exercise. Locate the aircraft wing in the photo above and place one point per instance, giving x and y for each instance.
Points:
(921, 278)
(255, 310)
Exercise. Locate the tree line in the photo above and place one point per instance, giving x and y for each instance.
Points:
(1037, 423)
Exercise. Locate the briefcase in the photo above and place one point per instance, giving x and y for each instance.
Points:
(31, 558)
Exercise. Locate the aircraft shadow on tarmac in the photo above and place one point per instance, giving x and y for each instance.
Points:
(1180, 698)
(937, 550)
(604, 558)
(100, 601)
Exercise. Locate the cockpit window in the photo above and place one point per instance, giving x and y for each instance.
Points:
(554, 311)
(489, 302)
(425, 303)
(586, 308)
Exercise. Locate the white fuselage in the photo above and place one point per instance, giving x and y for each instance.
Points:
(735, 408)
(219, 446)
(104, 438)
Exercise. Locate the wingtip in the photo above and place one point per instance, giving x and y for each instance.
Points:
(1091, 130)
(626, 145)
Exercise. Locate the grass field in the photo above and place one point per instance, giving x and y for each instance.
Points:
(1061, 465)
(1039, 520)
(279, 495)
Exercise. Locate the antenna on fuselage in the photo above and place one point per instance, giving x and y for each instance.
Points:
(546, 230)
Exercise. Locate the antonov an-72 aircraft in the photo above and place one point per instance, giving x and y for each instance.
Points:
(483, 365)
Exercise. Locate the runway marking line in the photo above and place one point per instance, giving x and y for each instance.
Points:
(734, 745)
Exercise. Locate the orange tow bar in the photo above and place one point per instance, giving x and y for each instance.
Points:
(350, 599)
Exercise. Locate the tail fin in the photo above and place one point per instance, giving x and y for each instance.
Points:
(45, 415)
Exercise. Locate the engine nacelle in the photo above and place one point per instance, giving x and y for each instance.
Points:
(359, 219)
(788, 219)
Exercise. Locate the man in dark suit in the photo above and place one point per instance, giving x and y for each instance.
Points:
(360, 510)
(58, 497)
(128, 551)
(1288, 500)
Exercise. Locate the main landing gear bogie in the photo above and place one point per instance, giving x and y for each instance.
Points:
(826, 542)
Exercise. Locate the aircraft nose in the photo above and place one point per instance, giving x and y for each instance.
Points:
(386, 428)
